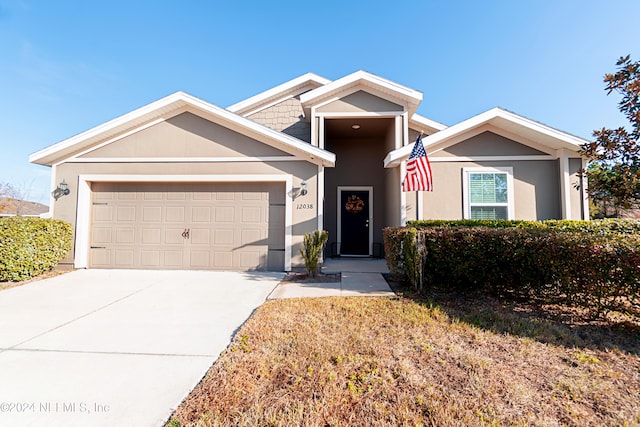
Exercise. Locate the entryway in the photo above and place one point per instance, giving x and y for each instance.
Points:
(355, 221)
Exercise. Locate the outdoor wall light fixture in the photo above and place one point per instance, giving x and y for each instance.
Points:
(62, 190)
(303, 188)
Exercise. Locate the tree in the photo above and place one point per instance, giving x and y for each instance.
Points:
(7, 197)
(614, 177)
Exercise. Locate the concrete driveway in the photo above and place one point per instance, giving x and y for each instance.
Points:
(116, 347)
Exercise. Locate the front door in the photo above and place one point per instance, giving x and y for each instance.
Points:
(355, 220)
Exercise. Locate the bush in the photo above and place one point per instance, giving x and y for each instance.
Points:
(598, 269)
(312, 246)
(31, 246)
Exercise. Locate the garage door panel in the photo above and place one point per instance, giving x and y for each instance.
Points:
(175, 214)
(126, 213)
(201, 214)
(224, 214)
(101, 236)
(223, 259)
(150, 258)
(100, 257)
(229, 225)
(252, 215)
(200, 236)
(124, 258)
(102, 213)
(152, 213)
(173, 236)
(125, 236)
(151, 236)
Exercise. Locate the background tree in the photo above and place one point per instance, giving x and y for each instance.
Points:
(614, 177)
(8, 196)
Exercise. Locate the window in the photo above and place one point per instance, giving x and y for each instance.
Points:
(488, 193)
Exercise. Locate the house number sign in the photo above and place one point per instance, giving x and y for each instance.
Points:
(304, 206)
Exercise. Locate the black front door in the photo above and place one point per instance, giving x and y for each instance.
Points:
(354, 213)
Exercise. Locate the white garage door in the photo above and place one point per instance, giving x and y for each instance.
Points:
(219, 226)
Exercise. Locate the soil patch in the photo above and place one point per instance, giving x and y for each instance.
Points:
(299, 277)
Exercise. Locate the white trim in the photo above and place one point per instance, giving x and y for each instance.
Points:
(53, 178)
(170, 106)
(309, 78)
(419, 120)
(565, 184)
(320, 197)
(499, 119)
(363, 78)
(117, 138)
(183, 159)
(586, 214)
(466, 214)
(321, 125)
(314, 129)
(83, 220)
(490, 158)
(337, 115)
(340, 189)
(265, 106)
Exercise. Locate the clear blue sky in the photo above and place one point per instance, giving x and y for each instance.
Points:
(66, 66)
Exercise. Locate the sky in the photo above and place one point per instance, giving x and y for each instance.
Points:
(67, 66)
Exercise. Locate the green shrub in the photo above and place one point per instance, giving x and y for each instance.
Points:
(594, 266)
(31, 246)
(312, 247)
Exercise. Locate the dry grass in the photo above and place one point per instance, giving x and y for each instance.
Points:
(447, 361)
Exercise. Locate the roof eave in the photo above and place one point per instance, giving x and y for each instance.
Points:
(408, 96)
(163, 108)
(565, 140)
(277, 92)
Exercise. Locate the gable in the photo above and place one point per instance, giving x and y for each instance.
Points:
(359, 101)
(184, 135)
(487, 144)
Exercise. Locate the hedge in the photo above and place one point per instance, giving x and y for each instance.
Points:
(598, 269)
(31, 246)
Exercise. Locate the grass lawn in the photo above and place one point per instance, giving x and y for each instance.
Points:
(442, 361)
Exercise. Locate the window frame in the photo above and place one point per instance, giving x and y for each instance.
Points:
(466, 196)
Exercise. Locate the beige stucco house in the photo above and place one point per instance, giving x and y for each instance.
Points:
(183, 184)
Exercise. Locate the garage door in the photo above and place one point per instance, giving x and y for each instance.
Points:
(218, 226)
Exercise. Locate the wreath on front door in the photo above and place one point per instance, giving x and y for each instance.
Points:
(354, 204)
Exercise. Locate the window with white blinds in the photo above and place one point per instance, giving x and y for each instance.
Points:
(488, 193)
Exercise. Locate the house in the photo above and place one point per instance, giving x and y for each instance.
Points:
(10, 206)
(183, 184)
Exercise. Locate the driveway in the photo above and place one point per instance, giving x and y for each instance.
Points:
(116, 347)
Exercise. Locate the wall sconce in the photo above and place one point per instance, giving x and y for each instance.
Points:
(62, 190)
(303, 188)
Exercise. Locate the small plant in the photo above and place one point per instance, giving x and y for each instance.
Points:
(312, 247)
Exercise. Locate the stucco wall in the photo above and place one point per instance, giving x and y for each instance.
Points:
(487, 144)
(359, 101)
(185, 135)
(536, 189)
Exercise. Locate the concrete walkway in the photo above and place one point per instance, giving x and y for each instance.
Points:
(116, 347)
(359, 277)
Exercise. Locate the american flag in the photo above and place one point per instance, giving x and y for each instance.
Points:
(418, 176)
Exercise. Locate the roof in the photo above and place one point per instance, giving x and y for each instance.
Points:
(173, 105)
(291, 88)
(499, 118)
(363, 80)
(10, 206)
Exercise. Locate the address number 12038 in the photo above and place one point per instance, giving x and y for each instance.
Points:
(304, 206)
